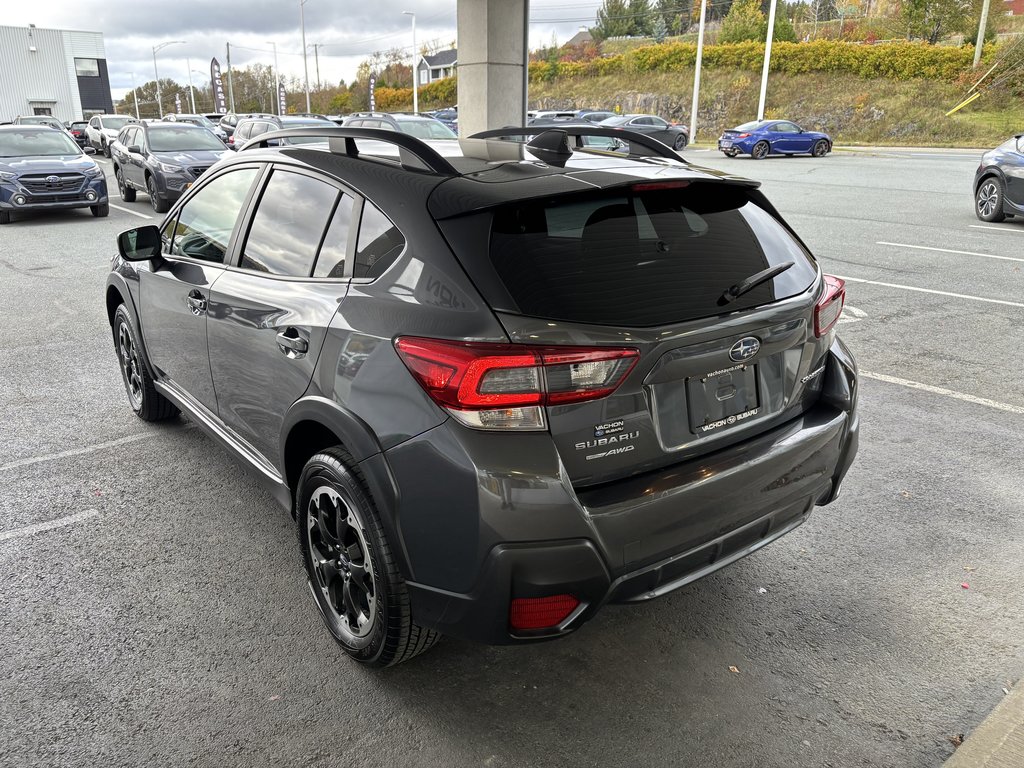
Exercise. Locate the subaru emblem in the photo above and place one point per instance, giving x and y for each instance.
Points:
(744, 349)
(53, 179)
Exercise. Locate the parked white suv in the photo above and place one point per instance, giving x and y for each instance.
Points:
(103, 129)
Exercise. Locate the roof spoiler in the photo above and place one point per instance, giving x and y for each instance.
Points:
(552, 142)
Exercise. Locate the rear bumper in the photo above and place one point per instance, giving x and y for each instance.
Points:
(636, 540)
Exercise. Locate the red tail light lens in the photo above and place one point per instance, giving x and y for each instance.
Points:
(742, 136)
(829, 306)
(541, 612)
(491, 378)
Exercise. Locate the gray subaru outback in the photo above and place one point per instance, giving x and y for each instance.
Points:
(498, 384)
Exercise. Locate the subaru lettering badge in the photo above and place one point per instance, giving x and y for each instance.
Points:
(744, 349)
(53, 179)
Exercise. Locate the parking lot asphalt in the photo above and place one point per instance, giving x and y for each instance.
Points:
(155, 610)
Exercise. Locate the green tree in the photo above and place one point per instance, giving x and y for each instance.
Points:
(744, 22)
(640, 18)
(784, 31)
(659, 30)
(612, 20)
(932, 19)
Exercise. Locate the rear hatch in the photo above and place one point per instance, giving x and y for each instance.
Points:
(647, 267)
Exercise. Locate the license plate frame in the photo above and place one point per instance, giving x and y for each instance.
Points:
(725, 143)
(722, 399)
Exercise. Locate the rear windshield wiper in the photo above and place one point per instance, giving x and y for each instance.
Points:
(735, 291)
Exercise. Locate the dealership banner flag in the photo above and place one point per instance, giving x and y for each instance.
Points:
(373, 101)
(177, 103)
(220, 104)
(282, 102)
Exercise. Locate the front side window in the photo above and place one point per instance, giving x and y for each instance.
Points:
(288, 225)
(95, 122)
(205, 223)
(87, 68)
(379, 245)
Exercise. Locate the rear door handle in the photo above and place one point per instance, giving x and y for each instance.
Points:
(196, 302)
(289, 340)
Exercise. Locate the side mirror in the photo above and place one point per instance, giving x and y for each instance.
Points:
(88, 150)
(139, 244)
(134, 149)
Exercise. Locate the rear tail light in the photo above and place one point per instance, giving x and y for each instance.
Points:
(741, 136)
(528, 613)
(829, 306)
(506, 386)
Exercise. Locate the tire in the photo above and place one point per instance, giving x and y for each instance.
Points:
(148, 404)
(352, 574)
(159, 204)
(820, 148)
(680, 142)
(106, 148)
(988, 199)
(5, 217)
(127, 193)
(100, 211)
(760, 150)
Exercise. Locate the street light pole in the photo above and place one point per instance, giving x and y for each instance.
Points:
(696, 71)
(277, 81)
(767, 59)
(159, 95)
(191, 90)
(135, 97)
(415, 89)
(305, 59)
(203, 74)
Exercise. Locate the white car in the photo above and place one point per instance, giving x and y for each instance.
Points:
(103, 129)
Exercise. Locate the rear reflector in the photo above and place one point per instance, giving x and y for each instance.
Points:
(540, 612)
(503, 386)
(829, 306)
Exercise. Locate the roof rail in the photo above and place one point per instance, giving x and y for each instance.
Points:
(413, 154)
(652, 147)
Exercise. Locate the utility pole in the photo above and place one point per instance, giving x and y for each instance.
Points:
(415, 82)
(191, 90)
(305, 60)
(159, 95)
(135, 97)
(767, 59)
(277, 81)
(981, 33)
(231, 89)
(696, 71)
(316, 57)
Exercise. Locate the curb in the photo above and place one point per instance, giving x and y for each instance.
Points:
(999, 741)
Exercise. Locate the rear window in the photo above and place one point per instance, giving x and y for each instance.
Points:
(643, 258)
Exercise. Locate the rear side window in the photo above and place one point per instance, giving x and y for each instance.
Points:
(643, 258)
(331, 260)
(288, 225)
(379, 244)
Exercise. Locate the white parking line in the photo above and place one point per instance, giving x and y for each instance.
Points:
(926, 290)
(31, 530)
(83, 451)
(947, 250)
(129, 210)
(943, 391)
(998, 229)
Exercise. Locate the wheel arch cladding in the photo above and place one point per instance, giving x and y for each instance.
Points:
(114, 299)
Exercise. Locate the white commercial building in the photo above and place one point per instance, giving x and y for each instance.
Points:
(53, 72)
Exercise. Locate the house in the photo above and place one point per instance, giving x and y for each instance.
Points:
(1014, 7)
(437, 66)
(581, 38)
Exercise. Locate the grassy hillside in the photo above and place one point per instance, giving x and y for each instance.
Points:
(852, 109)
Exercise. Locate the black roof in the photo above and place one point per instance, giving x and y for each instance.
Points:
(442, 58)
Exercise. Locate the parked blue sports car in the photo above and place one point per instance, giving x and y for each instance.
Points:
(773, 137)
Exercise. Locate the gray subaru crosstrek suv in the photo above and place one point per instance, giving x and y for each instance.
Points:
(498, 384)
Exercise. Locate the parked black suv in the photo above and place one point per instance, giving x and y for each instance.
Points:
(420, 126)
(495, 395)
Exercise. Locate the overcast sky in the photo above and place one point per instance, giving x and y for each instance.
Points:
(347, 30)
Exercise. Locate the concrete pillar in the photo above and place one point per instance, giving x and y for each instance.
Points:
(492, 63)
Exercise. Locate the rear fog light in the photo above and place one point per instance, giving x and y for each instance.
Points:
(531, 613)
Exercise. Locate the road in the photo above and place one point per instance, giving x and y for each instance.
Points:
(166, 620)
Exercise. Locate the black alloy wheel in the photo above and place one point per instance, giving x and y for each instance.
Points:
(159, 204)
(126, 192)
(820, 148)
(760, 150)
(680, 142)
(148, 404)
(352, 574)
(989, 200)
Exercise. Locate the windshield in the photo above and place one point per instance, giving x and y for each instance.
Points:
(286, 125)
(117, 123)
(426, 129)
(38, 121)
(37, 143)
(180, 138)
